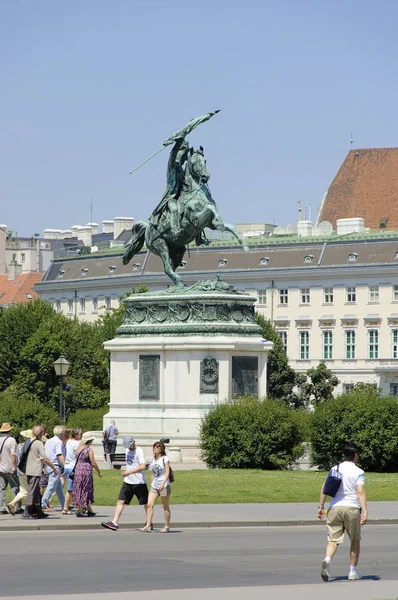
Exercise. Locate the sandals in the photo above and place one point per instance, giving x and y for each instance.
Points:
(67, 512)
(164, 530)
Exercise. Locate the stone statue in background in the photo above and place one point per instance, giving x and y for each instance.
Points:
(185, 209)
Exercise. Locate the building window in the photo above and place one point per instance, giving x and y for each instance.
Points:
(283, 336)
(373, 293)
(347, 387)
(395, 293)
(262, 297)
(328, 345)
(351, 294)
(350, 344)
(58, 305)
(394, 389)
(95, 304)
(305, 295)
(304, 345)
(22, 257)
(82, 305)
(70, 306)
(394, 334)
(108, 302)
(283, 296)
(328, 295)
(373, 343)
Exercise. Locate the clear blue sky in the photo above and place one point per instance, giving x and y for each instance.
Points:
(91, 88)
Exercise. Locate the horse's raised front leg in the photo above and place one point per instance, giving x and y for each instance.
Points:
(218, 224)
(160, 248)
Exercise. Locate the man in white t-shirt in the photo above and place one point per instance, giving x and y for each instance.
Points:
(347, 512)
(134, 483)
(8, 466)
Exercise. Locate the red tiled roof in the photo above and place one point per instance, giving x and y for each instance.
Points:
(366, 186)
(13, 291)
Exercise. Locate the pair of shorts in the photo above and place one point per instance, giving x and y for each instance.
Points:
(70, 481)
(166, 491)
(341, 519)
(129, 490)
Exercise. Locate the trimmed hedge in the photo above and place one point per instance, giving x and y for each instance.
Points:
(88, 419)
(362, 416)
(251, 434)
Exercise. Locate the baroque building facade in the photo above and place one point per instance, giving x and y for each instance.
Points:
(333, 299)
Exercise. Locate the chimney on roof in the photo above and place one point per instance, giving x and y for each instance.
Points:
(14, 269)
(107, 226)
(122, 223)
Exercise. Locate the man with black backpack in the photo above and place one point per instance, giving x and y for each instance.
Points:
(347, 509)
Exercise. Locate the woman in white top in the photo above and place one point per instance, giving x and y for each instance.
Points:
(70, 461)
(160, 486)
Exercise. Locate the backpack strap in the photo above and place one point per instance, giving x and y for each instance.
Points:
(2, 445)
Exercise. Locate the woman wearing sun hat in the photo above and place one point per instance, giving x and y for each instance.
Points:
(83, 484)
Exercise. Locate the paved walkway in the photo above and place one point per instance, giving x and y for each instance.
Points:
(200, 515)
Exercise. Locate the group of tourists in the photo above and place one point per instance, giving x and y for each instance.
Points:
(40, 467)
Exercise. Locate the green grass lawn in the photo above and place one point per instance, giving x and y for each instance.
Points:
(217, 486)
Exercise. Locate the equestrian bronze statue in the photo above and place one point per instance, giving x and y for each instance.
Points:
(185, 210)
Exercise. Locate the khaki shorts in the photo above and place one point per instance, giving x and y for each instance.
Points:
(341, 519)
(166, 491)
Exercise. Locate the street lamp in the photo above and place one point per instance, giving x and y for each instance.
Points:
(61, 367)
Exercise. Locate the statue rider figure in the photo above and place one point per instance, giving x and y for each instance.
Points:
(175, 179)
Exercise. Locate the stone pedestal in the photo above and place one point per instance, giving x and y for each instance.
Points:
(177, 354)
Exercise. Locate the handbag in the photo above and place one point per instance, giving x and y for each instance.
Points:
(333, 482)
(171, 474)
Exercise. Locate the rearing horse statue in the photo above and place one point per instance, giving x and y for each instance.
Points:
(186, 208)
(198, 210)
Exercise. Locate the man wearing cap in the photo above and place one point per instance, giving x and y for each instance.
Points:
(23, 483)
(134, 483)
(8, 466)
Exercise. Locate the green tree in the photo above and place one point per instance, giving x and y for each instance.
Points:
(17, 324)
(282, 379)
(320, 386)
(363, 416)
(25, 411)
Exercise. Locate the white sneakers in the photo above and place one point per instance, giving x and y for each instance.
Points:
(324, 570)
(354, 576)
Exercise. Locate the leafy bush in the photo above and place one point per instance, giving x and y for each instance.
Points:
(90, 419)
(362, 416)
(251, 434)
(24, 412)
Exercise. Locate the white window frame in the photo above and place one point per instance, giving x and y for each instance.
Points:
(351, 294)
(95, 304)
(395, 293)
(328, 295)
(394, 343)
(373, 344)
(327, 345)
(82, 302)
(283, 334)
(262, 297)
(350, 344)
(347, 387)
(70, 306)
(108, 302)
(374, 294)
(305, 296)
(304, 345)
(393, 389)
(283, 297)
(22, 257)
